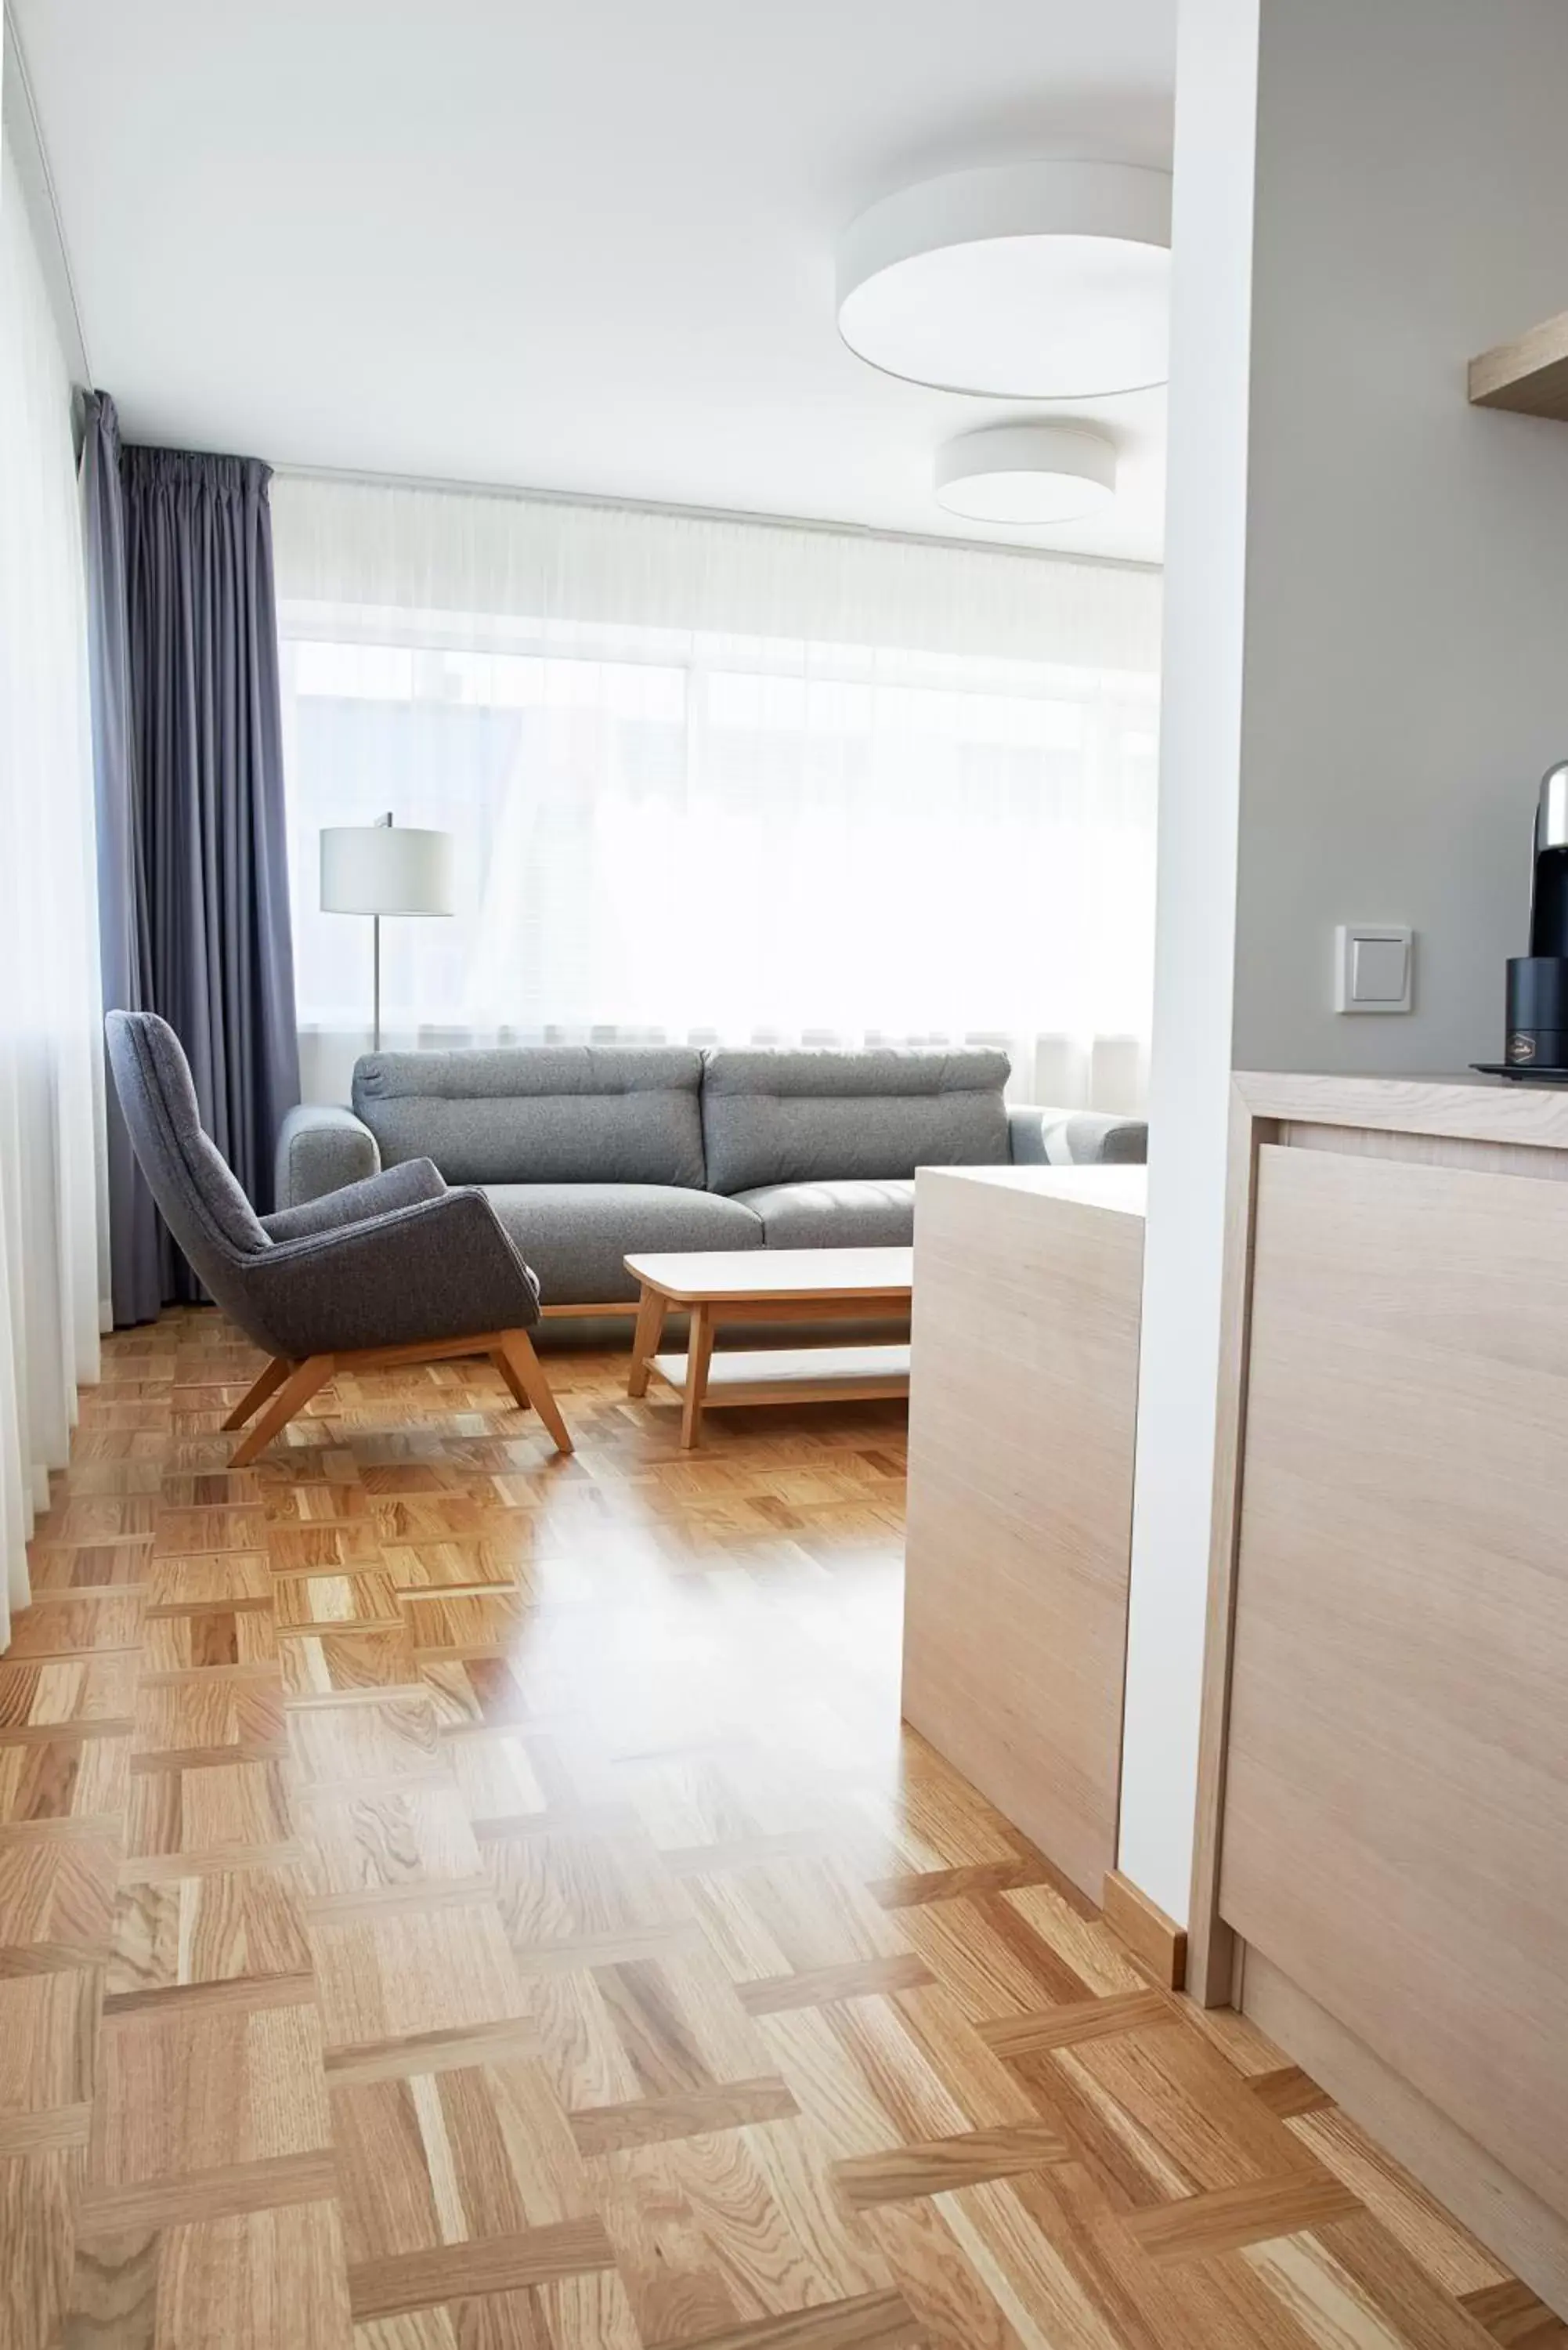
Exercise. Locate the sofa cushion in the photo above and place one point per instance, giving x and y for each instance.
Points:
(541, 1114)
(795, 1118)
(835, 1215)
(574, 1235)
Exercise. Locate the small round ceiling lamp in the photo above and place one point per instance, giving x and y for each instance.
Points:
(1027, 473)
(1027, 281)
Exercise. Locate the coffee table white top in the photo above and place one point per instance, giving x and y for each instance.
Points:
(707, 1276)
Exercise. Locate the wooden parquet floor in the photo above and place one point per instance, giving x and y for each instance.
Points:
(453, 1898)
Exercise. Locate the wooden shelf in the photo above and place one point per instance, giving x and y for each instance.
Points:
(1530, 376)
(795, 1375)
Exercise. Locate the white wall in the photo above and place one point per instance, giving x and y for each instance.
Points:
(1201, 730)
(1366, 646)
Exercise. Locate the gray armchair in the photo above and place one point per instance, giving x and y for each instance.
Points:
(397, 1269)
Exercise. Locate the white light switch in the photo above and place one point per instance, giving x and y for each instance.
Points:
(1373, 967)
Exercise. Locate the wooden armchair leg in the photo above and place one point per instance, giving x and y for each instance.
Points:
(519, 1392)
(297, 1388)
(276, 1371)
(525, 1370)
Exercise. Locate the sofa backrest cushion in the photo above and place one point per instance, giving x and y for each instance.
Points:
(803, 1116)
(539, 1114)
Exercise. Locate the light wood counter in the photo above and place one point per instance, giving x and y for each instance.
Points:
(1382, 1835)
(1023, 1392)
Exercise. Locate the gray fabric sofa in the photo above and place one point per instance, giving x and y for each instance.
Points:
(589, 1152)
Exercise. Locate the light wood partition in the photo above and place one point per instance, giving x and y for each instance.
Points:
(1383, 1848)
(1023, 1393)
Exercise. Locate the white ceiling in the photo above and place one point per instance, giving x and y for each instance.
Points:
(586, 246)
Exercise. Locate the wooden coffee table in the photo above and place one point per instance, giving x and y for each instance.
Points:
(769, 1285)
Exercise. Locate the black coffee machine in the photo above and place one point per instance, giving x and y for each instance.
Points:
(1537, 1039)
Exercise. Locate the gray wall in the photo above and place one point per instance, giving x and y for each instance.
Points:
(1407, 619)
(1366, 647)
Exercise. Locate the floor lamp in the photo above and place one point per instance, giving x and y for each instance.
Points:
(383, 869)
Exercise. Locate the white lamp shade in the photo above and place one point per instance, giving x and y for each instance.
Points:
(385, 868)
(1027, 281)
(1030, 473)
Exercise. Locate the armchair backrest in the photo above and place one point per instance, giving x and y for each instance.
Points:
(197, 1195)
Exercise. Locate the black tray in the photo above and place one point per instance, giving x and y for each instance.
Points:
(1524, 1072)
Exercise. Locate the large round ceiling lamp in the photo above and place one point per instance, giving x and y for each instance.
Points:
(1027, 473)
(1028, 281)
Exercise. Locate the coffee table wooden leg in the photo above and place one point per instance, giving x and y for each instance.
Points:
(699, 1353)
(652, 1310)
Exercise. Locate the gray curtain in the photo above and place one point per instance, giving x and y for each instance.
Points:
(135, 1266)
(201, 896)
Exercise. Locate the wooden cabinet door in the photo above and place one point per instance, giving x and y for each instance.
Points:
(1395, 1822)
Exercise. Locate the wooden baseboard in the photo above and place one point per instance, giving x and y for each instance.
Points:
(1156, 1941)
(1526, 2234)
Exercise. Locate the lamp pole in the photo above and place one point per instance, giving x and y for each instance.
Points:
(376, 953)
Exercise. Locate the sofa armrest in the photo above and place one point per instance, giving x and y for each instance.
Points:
(439, 1268)
(394, 1187)
(1076, 1137)
(321, 1148)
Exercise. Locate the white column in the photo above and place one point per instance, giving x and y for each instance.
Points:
(1190, 1066)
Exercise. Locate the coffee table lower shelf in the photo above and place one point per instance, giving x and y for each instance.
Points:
(759, 1375)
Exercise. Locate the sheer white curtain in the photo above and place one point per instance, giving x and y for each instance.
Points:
(723, 780)
(51, 1279)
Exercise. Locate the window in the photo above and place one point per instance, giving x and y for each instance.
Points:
(668, 832)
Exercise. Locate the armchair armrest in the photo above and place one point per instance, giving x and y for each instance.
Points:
(1076, 1137)
(320, 1149)
(438, 1268)
(394, 1187)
